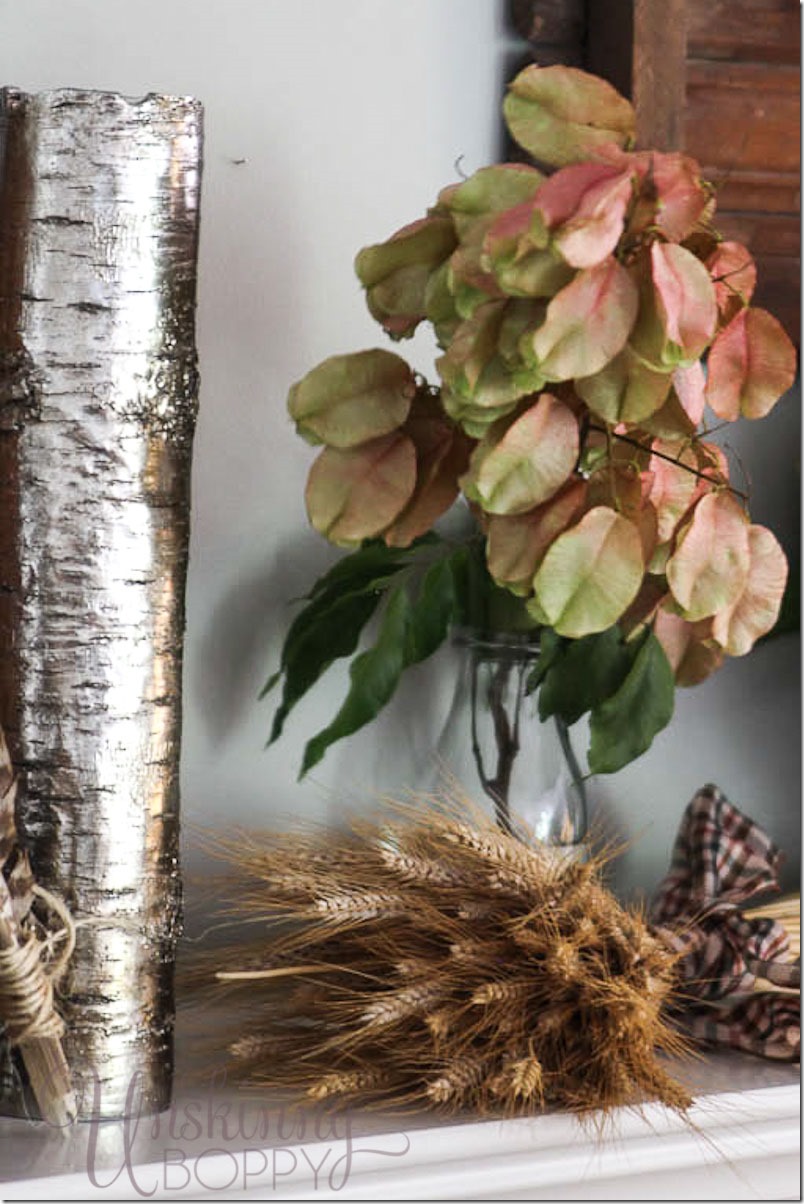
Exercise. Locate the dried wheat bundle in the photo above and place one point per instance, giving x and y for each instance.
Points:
(425, 958)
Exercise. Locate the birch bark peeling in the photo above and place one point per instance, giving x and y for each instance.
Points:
(99, 200)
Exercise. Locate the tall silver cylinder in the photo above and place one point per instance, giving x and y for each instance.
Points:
(99, 198)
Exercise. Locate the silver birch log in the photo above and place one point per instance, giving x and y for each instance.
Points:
(99, 199)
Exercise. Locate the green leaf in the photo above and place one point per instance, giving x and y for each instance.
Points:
(329, 626)
(269, 685)
(551, 646)
(432, 612)
(410, 632)
(317, 612)
(369, 569)
(373, 675)
(591, 670)
(318, 636)
(338, 607)
(623, 727)
(357, 567)
(472, 584)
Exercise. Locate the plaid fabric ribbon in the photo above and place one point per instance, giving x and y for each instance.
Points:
(721, 858)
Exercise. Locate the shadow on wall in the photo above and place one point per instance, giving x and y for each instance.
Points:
(241, 647)
(741, 730)
(242, 643)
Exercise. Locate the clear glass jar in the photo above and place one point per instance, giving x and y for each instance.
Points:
(498, 751)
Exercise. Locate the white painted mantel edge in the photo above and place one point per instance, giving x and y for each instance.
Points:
(735, 1145)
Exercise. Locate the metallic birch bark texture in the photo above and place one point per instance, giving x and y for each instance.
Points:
(99, 200)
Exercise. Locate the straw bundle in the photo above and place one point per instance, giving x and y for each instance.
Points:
(787, 911)
(425, 958)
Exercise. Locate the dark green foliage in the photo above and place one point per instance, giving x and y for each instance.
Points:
(623, 726)
(586, 672)
(421, 592)
(420, 603)
(373, 676)
(626, 686)
(338, 608)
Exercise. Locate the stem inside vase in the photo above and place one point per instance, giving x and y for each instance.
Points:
(506, 731)
(526, 768)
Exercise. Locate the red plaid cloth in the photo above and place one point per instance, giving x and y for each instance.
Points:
(720, 859)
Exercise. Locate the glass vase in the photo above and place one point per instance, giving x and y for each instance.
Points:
(498, 752)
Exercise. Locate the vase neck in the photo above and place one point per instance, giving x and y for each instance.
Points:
(500, 643)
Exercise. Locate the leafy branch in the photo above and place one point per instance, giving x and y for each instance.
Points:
(419, 603)
(660, 455)
(568, 305)
(627, 686)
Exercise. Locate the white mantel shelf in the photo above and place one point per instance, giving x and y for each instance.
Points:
(739, 1142)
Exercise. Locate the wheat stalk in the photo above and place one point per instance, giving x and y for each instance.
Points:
(391, 1007)
(349, 1082)
(521, 1080)
(457, 1082)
